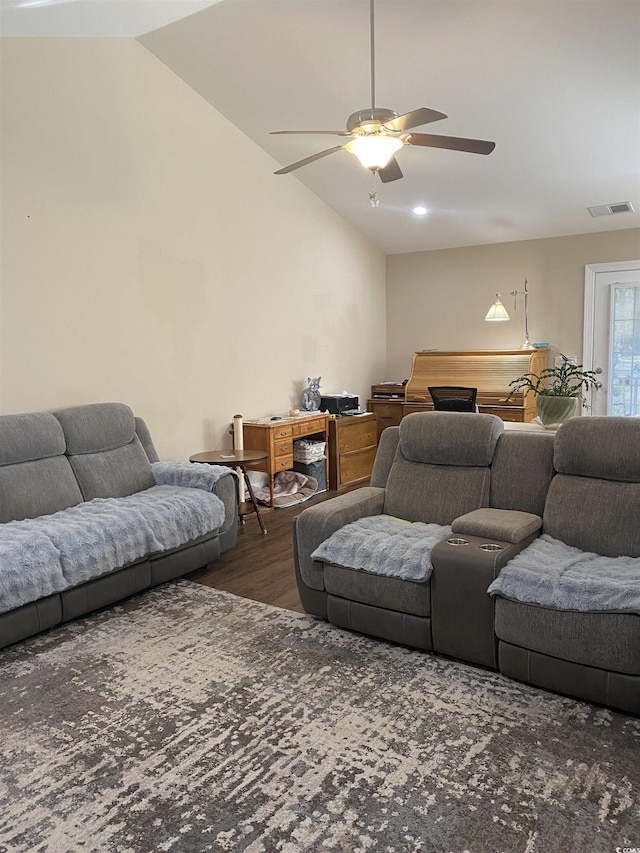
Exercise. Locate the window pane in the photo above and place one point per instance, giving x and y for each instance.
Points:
(624, 303)
(624, 397)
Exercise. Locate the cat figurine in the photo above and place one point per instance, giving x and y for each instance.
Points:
(311, 395)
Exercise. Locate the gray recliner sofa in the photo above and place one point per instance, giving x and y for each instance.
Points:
(567, 610)
(89, 515)
(498, 496)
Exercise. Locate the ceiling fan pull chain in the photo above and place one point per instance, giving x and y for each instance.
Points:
(374, 200)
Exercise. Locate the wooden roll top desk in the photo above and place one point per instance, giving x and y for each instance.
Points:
(490, 371)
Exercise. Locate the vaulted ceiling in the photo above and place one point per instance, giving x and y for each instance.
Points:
(555, 83)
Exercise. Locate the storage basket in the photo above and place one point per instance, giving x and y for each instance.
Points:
(308, 451)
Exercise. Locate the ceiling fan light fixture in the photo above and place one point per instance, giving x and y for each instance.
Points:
(377, 133)
(374, 151)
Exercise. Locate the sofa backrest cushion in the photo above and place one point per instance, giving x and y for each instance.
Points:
(385, 455)
(104, 450)
(522, 470)
(594, 500)
(450, 438)
(606, 448)
(35, 475)
(441, 468)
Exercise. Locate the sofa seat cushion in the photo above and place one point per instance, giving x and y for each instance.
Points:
(92, 538)
(383, 545)
(403, 596)
(552, 574)
(30, 565)
(607, 641)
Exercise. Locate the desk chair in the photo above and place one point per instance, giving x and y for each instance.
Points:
(453, 398)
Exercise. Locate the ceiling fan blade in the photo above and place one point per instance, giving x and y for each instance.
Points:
(306, 160)
(454, 143)
(391, 171)
(325, 132)
(415, 118)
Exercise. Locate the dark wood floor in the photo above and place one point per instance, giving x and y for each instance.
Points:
(260, 566)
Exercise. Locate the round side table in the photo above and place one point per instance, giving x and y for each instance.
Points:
(237, 459)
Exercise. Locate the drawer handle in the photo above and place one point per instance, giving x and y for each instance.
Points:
(284, 448)
(283, 433)
(284, 463)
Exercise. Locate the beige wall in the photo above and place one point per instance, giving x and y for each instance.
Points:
(150, 256)
(440, 298)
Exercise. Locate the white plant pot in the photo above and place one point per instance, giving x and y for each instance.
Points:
(555, 410)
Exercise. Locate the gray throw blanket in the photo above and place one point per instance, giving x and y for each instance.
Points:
(40, 556)
(552, 574)
(384, 545)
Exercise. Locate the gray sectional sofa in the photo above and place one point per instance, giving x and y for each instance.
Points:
(89, 515)
(523, 552)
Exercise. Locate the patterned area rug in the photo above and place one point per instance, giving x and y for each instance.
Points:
(190, 720)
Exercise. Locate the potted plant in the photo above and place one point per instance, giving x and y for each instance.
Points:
(557, 390)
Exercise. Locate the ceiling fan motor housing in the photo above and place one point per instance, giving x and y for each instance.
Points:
(374, 117)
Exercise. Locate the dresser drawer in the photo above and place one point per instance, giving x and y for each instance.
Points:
(507, 413)
(282, 446)
(389, 414)
(282, 431)
(357, 434)
(355, 467)
(410, 408)
(283, 463)
(307, 427)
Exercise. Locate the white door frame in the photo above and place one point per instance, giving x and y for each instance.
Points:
(591, 272)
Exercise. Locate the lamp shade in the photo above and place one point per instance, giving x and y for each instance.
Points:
(497, 312)
(374, 150)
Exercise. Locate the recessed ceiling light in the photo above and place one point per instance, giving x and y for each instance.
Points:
(420, 211)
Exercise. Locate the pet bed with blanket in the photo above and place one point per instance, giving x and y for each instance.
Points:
(289, 487)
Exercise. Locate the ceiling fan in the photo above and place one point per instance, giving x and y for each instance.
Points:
(376, 134)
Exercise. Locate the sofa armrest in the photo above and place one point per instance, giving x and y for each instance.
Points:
(188, 474)
(227, 489)
(506, 525)
(218, 479)
(317, 523)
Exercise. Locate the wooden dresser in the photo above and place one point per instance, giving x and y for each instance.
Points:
(353, 442)
(490, 371)
(276, 439)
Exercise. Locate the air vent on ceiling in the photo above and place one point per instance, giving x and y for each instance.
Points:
(610, 209)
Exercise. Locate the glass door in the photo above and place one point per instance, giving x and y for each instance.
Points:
(624, 356)
(612, 336)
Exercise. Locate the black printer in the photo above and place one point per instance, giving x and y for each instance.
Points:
(337, 404)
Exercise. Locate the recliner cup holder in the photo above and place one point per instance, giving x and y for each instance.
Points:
(457, 541)
(490, 546)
